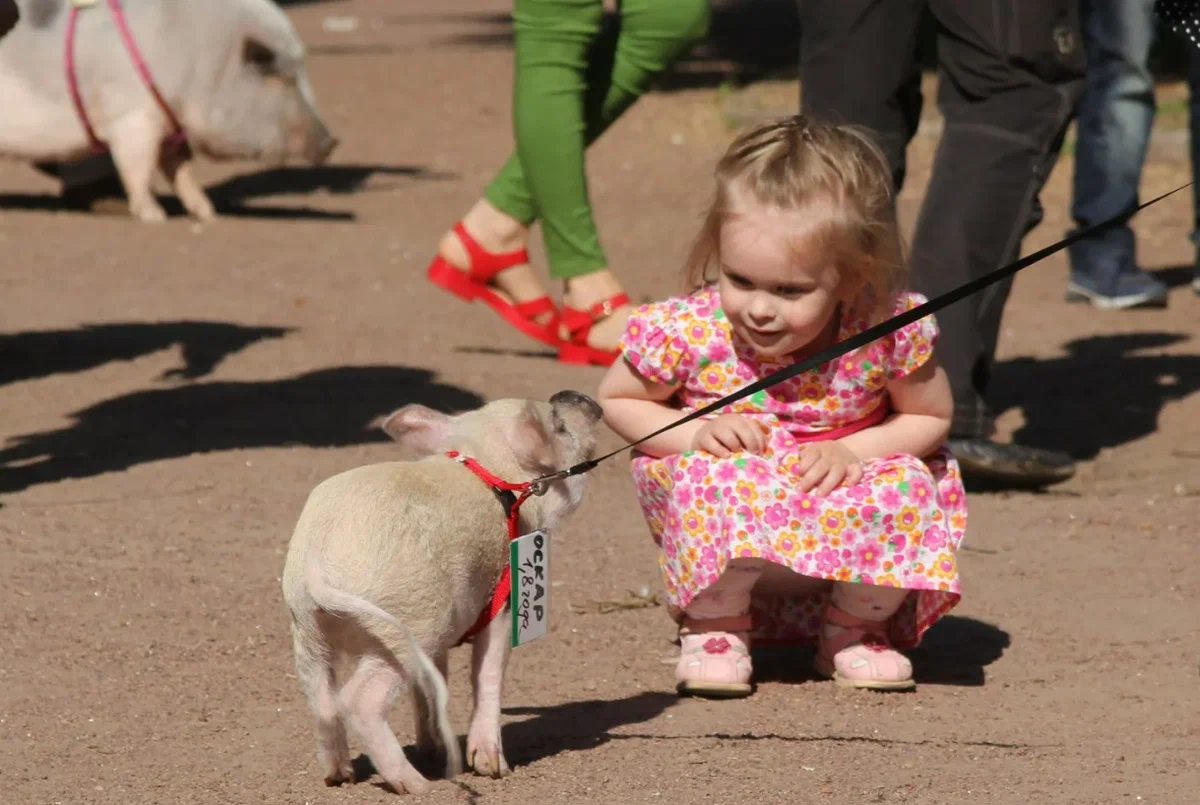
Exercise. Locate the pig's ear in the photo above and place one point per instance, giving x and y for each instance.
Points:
(530, 440)
(418, 427)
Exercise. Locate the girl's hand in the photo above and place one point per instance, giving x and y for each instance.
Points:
(826, 465)
(728, 434)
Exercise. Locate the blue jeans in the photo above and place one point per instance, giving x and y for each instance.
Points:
(1115, 117)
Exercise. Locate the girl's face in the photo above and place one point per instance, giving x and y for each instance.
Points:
(779, 298)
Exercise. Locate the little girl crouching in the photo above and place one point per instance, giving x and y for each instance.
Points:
(826, 508)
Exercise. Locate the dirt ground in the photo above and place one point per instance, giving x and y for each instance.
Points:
(171, 395)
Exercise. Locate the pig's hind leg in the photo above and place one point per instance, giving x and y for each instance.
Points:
(176, 165)
(365, 700)
(429, 741)
(315, 669)
(135, 142)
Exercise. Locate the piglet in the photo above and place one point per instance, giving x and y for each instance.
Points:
(391, 564)
(231, 71)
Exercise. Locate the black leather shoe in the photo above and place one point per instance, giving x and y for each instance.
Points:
(1010, 464)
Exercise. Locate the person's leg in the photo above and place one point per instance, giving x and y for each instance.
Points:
(853, 647)
(1194, 131)
(1011, 76)
(1115, 118)
(650, 36)
(858, 66)
(553, 39)
(572, 82)
(714, 638)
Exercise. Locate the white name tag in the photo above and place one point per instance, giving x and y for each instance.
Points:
(529, 601)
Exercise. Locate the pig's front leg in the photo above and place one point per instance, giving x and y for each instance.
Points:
(176, 165)
(135, 143)
(489, 658)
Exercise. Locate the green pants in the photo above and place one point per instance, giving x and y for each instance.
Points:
(572, 80)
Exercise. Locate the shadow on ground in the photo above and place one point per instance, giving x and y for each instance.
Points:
(204, 344)
(1108, 390)
(750, 40)
(955, 651)
(335, 179)
(573, 726)
(551, 730)
(326, 408)
(230, 196)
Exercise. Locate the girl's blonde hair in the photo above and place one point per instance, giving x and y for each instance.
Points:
(794, 163)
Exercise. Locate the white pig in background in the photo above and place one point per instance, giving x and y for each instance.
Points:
(390, 565)
(231, 71)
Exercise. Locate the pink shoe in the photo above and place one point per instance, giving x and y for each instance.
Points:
(860, 656)
(714, 659)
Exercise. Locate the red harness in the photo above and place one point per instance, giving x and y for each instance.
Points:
(512, 505)
(118, 15)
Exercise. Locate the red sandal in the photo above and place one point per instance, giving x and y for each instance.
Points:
(579, 324)
(473, 284)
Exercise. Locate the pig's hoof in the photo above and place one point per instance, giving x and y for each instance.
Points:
(344, 773)
(411, 786)
(488, 760)
(204, 213)
(339, 778)
(149, 214)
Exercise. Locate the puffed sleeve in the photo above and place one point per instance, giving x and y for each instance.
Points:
(911, 345)
(654, 344)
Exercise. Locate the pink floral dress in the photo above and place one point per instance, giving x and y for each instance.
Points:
(900, 526)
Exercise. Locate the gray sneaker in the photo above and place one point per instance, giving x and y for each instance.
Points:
(1124, 289)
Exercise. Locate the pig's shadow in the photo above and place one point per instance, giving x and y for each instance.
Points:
(566, 727)
(230, 196)
(204, 344)
(326, 408)
(572, 726)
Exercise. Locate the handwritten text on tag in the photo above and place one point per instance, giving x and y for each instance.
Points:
(529, 562)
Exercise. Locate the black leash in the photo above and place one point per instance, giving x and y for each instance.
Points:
(862, 339)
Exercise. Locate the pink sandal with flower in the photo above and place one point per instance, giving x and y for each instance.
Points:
(714, 658)
(860, 656)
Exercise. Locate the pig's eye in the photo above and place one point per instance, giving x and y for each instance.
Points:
(260, 56)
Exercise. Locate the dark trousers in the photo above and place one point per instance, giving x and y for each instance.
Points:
(1194, 126)
(9, 16)
(1010, 76)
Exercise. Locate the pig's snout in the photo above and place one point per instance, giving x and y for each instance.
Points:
(580, 401)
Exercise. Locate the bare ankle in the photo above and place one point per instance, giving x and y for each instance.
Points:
(495, 230)
(588, 289)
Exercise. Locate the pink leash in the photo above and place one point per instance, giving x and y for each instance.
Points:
(118, 14)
